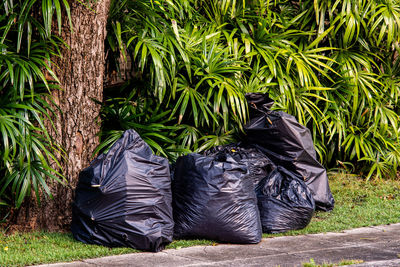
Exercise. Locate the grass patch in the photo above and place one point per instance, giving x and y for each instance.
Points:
(358, 204)
(342, 263)
(22, 249)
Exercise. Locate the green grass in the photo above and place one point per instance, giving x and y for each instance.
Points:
(342, 263)
(358, 204)
(40, 247)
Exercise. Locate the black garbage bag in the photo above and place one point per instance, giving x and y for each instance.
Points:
(257, 163)
(289, 144)
(285, 202)
(214, 198)
(124, 198)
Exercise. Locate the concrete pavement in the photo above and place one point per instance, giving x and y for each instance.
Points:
(374, 246)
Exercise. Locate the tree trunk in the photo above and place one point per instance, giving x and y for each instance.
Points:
(81, 73)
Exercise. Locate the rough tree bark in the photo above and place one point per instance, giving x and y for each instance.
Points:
(81, 73)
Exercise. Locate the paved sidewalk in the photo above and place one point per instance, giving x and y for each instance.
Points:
(375, 246)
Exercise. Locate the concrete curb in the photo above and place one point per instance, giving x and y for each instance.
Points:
(375, 246)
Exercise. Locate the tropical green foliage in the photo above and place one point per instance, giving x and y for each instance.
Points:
(140, 112)
(26, 78)
(332, 64)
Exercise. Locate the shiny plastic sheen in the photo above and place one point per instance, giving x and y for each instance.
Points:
(289, 144)
(124, 198)
(258, 164)
(284, 201)
(214, 198)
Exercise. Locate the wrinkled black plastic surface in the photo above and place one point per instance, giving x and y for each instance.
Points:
(124, 198)
(258, 164)
(214, 198)
(289, 144)
(285, 202)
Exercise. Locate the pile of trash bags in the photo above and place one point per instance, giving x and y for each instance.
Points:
(284, 200)
(288, 144)
(269, 182)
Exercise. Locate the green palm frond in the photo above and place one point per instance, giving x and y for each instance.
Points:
(332, 64)
(27, 45)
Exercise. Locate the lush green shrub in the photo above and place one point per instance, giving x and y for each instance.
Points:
(26, 149)
(332, 64)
